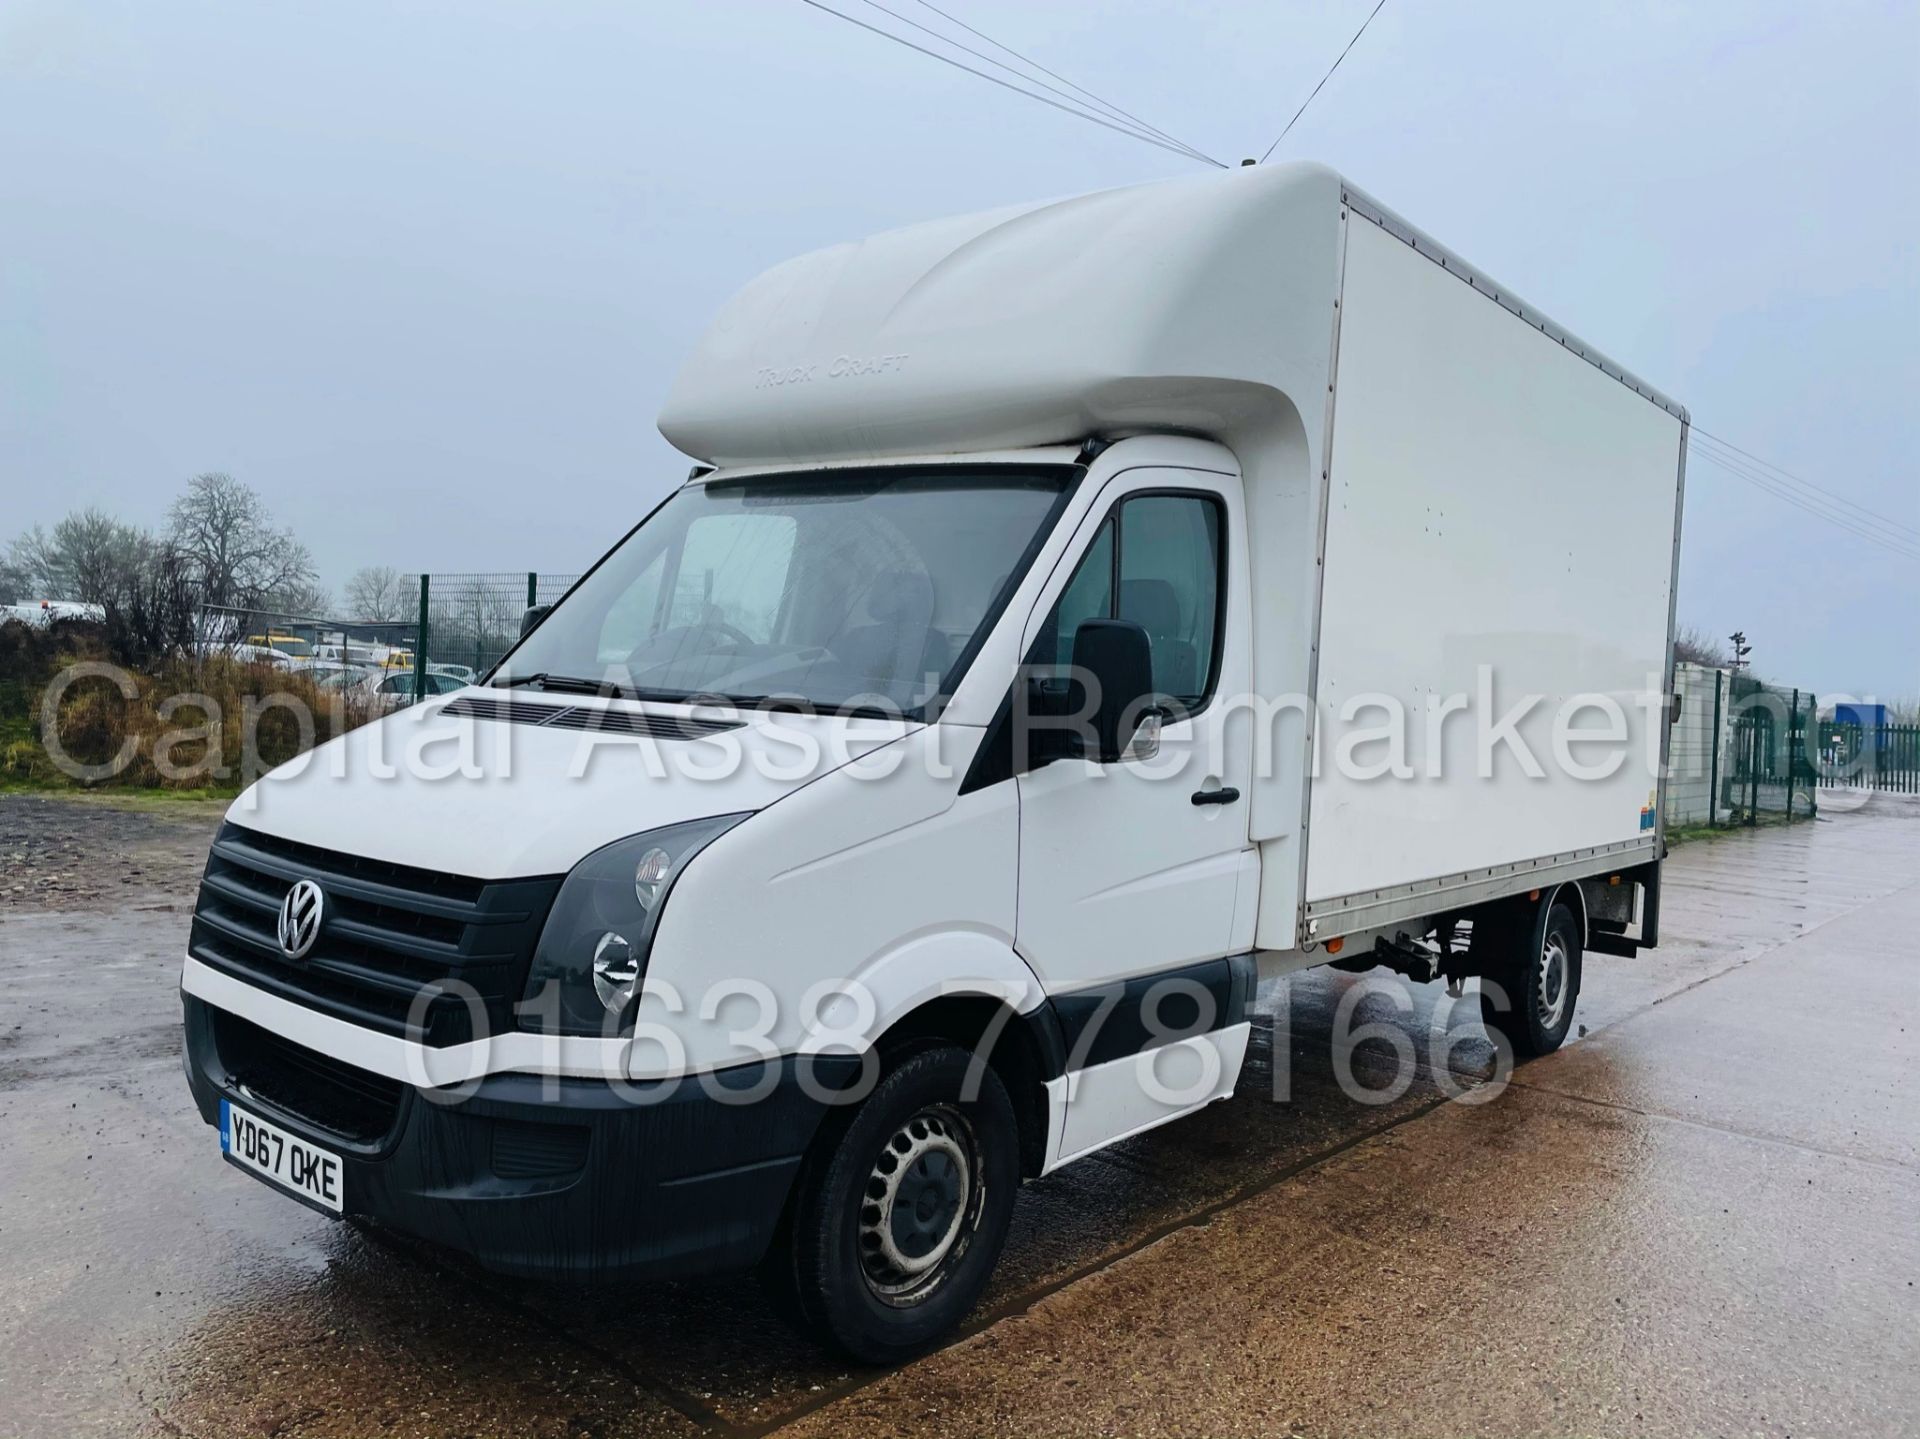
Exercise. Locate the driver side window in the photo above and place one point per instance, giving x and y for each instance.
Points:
(1165, 578)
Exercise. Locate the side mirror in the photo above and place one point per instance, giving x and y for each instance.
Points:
(532, 616)
(1116, 658)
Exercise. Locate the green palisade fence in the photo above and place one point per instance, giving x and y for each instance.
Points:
(1884, 757)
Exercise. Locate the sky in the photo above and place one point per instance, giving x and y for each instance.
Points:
(421, 271)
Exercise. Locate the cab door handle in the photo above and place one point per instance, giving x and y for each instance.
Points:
(1226, 794)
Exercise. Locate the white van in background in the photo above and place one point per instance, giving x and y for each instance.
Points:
(910, 804)
(41, 613)
(259, 655)
(365, 656)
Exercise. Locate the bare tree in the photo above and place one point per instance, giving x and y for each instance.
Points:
(89, 556)
(473, 621)
(158, 617)
(380, 592)
(308, 598)
(14, 584)
(221, 530)
(1693, 645)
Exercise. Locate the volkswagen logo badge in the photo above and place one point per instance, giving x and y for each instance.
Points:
(300, 918)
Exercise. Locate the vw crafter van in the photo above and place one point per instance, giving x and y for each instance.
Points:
(910, 804)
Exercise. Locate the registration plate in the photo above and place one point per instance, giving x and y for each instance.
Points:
(285, 1159)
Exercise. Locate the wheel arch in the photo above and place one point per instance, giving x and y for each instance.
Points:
(1571, 889)
(1023, 1050)
(963, 987)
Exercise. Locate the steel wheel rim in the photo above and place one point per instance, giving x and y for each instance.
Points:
(1550, 990)
(921, 1201)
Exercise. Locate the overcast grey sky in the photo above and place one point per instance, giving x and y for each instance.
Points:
(421, 271)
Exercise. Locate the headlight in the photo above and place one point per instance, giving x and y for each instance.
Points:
(593, 952)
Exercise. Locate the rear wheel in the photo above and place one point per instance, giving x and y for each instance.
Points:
(900, 1213)
(1530, 980)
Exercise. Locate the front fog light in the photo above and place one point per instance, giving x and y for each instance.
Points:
(591, 961)
(616, 970)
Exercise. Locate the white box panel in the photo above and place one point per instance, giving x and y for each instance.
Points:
(1496, 500)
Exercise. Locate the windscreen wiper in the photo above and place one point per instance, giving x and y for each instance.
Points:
(567, 684)
(577, 685)
(607, 689)
(698, 697)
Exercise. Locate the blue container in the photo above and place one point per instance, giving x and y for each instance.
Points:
(1865, 716)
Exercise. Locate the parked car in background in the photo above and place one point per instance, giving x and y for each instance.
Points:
(258, 655)
(393, 689)
(345, 652)
(333, 675)
(458, 672)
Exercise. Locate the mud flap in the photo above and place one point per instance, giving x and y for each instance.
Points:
(1605, 939)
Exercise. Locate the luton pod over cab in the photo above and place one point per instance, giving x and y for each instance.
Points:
(1077, 614)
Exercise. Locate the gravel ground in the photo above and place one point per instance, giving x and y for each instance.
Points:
(64, 853)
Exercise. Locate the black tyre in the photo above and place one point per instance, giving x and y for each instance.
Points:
(900, 1212)
(1530, 981)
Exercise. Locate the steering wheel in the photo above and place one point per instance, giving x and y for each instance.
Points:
(721, 628)
(685, 640)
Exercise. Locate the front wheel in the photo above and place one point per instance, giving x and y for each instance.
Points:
(901, 1210)
(1528, 991)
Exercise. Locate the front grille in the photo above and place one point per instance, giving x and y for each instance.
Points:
(589, 717)
(436, 958)
(340, 1098)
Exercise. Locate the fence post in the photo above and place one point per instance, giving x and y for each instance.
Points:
(420, 646)
(533, 588)
(1793, 723)
(1817, 760)
(1713, 748)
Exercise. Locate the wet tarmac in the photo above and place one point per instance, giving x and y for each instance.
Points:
(1701, 1217)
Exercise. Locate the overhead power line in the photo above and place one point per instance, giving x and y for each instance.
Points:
(1033, 64)
(1789, 478)
(1760, 480)
(1062, 106)
(1822, 504)
(1132, 123)
(1822, 510)
(1324, 78)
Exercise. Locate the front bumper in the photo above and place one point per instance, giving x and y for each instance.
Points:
(573, 1179)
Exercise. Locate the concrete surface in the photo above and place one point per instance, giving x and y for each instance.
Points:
(1702, 1217)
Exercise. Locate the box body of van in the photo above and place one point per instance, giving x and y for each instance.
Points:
(1077, 614)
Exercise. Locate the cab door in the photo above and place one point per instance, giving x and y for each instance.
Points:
(1130, 872)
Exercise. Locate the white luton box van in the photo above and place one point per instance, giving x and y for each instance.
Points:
(1077, 613)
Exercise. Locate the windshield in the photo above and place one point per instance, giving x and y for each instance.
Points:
(865, 588)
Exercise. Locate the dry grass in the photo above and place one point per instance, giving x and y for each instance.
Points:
(185, 724)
